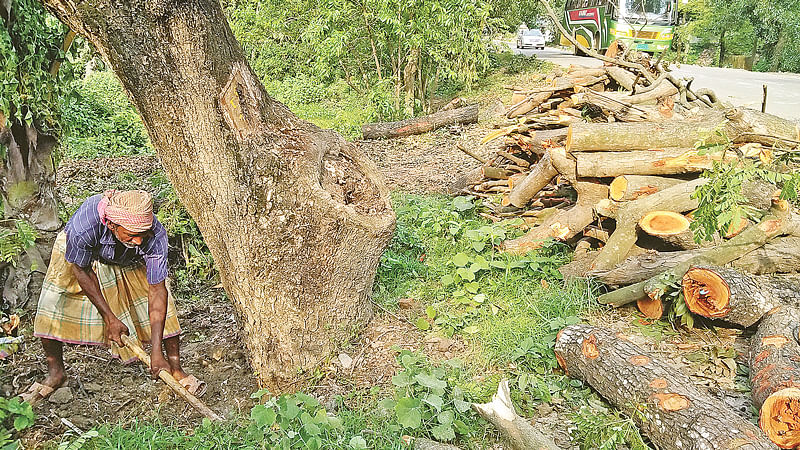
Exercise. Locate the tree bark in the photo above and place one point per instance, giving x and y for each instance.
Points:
(778, 221)
(729, 295)
(517, 430)
(775, 376)
(670, 161)
(631, 187)
(297, 259)
(662, 400)
(677, 198)
(419, 125)
(621, 109)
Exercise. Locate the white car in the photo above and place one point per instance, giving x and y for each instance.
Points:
(531, 38)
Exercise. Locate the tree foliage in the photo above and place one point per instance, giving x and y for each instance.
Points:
(30, 42)
(399, 53)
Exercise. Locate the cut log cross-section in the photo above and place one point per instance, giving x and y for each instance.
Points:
(630, 187)
(662, 400)
(677, 198)
(670, 228)
(775, 375)
(741, 299)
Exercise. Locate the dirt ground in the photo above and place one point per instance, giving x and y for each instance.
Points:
(102, 390)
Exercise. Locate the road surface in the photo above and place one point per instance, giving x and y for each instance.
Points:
(736, 86)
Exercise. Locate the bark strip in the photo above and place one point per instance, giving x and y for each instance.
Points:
(517, 430)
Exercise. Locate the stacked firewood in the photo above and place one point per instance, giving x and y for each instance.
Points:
(608, 159)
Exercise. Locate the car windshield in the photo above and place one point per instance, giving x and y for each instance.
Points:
(656, 12)
(532, 33)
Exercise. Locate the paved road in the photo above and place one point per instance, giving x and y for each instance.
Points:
(739, 87)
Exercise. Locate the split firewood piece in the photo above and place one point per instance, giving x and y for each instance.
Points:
(525, 106)
(670, 228)
(631, 187)
(419, 125)
(663, 89)
(775, 375)
(539, 177)
(519, 432)
(729, 295)
(598, 233)
(677, 198)
(623, 77)
(669, 161)
(564, 224)
(662, 400)
(607, 208)
(651, 308)
(514, 159)
(495, 173)
(541, 140)
(778, 221)
(620, 109)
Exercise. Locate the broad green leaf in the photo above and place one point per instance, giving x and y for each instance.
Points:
(401, 380)
(262, 416)
(446, 417)
(430, 311)
(358, 443)
(422, 324)
(472, 287)
(466, 274)
(430, 381)
(434, 400)
(461, 259)
(447, 280)
(472, 329)
(443, 432)
(408, 413)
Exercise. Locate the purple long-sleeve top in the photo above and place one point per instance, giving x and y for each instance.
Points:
(88, 240)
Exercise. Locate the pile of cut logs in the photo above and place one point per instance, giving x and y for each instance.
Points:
(608, 159)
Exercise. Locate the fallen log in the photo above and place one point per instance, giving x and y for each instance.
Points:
(778, 221)
(775, 376)
(741, 299)
(677, 199)
(527, 104)
(669, 161)
(517, 430)
(663, 89)
(662, 400)
(630, 187)
(781, 255)
(623, 77)
(736, 124)
(419, 125)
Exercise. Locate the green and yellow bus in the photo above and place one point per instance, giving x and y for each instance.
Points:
(646, 24)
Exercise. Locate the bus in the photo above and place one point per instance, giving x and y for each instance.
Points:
(647, 25)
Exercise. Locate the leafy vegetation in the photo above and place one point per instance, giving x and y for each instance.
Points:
(15, 416)
(99, 120)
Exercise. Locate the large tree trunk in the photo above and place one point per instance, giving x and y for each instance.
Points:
(775, 375)
(296, 218)
(662, 400)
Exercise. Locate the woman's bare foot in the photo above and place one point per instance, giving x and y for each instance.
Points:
(38, 391)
